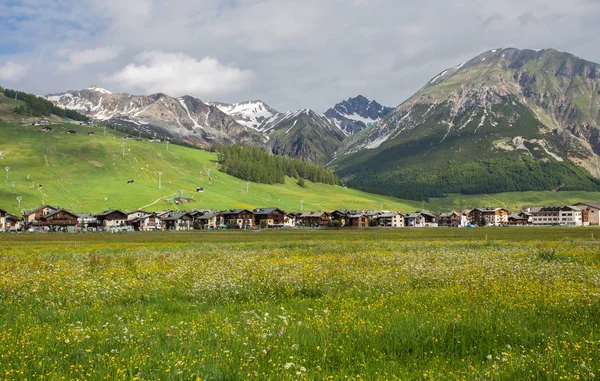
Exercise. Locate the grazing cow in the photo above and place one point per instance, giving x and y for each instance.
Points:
(200, 189)
(130, 182)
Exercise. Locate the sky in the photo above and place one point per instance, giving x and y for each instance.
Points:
(290, 54)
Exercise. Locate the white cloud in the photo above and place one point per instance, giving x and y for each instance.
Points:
(180, 74)
(89, 56)
(13, 72)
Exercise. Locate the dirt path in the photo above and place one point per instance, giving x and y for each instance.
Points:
(155, 202)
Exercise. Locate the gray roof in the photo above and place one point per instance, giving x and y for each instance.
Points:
(595, 206)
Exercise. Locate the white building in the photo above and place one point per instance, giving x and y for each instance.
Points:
(391, 220)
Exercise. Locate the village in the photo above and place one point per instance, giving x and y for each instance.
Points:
(54, 219)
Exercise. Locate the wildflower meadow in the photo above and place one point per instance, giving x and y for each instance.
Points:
(500, 304)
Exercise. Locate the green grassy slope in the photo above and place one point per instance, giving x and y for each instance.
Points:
(7, 106)
(511, 200)
(79, 172)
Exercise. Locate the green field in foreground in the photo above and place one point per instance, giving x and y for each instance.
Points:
(89, 174)
(372, 304)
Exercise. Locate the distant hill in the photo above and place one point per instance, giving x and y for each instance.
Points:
(507, 120)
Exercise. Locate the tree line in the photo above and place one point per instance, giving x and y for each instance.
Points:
(477, 177)
(253, 164)
(39, 107)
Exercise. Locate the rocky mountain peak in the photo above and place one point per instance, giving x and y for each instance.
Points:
(355, 114)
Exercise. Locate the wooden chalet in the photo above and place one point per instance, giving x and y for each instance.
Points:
(340, 216)
(314, 219)
(211, 220)
(265, 217)
(451, 220)
(58, 220)
(145, 222)
(515, 219)
(492, 216)
(178, 221)
(32, 217)
(239, 218)
(430, 219)
(111, 218)
(359, 221)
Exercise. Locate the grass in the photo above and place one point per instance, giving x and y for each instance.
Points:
(371, 304)
(79, 172)
(512, 200)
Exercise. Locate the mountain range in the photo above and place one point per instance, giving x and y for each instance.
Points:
(302, 134)
(506, 120)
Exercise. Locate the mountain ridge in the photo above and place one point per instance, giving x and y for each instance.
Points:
(504, 104)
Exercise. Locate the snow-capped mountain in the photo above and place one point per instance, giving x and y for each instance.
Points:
(253, 114)
(185, 118)
(356, 114)
(302, 134)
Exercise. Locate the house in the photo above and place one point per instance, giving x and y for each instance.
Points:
(492, 216)
(87, 222)
(520, 219)
(451, 220)
(313, 219)
(340, 216)
(359, 221)
(9, 222)
(239, 218)
(145, 222)
(135, 214)
(44, 122)
(414, 220)
(391, 220)
(430, 219)
(58, 220)
(178, 221)
(32, 217)
(593, 212)
(265, 217)
(110, 218)
(211, 220)
(289, 220)
(71, 132)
